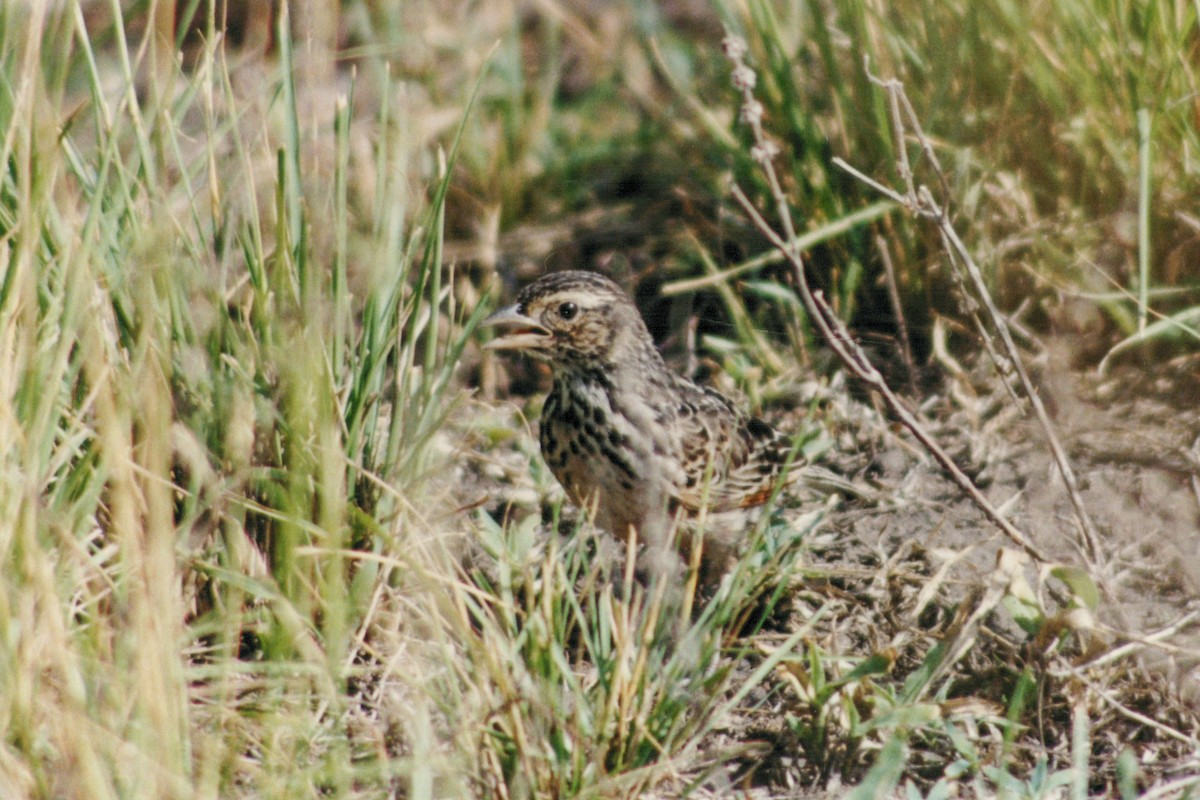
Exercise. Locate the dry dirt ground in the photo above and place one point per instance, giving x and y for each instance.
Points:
(1132, 440)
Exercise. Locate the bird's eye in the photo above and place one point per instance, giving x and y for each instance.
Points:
(568, 310)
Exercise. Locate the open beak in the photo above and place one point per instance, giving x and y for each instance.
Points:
(526, 333)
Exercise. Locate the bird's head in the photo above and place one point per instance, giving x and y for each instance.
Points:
(572, 319)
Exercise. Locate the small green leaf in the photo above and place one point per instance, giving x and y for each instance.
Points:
(771, 290)
(1081, 585)
(1128, 771)
(1029, 617)
(885, 773)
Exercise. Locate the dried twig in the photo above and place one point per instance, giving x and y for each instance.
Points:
(1124, 710)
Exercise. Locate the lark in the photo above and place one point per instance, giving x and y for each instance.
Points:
(631, 441)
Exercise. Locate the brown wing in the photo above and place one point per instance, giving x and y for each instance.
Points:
(730, 460)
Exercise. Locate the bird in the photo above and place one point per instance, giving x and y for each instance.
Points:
(639, 446)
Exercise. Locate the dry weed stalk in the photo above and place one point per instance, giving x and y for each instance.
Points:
(919, 200)
(830, 326)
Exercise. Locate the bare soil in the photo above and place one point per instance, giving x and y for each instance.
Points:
(1132, 439)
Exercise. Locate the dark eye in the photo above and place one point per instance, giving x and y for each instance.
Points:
(568, 310)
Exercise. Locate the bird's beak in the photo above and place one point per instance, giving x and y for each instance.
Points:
(526, 334)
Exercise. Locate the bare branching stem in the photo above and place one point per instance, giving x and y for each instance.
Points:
(852, 356)
(921, 202)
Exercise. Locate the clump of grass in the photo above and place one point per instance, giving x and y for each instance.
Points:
(1056, 123)
(587, 683)
(213, 418)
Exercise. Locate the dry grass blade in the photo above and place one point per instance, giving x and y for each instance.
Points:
(804, 242)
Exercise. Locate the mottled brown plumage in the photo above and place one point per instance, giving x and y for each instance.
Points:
(623, 433)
